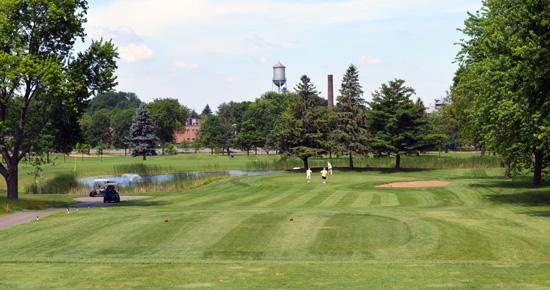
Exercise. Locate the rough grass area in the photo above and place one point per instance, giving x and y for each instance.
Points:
(33, 202)
(277, 231)
(60, 184)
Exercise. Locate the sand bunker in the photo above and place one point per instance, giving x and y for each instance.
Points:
(410, 184)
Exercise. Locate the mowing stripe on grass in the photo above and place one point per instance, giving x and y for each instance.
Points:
(256, 200)
(364, 200)
(317, 199)
(299, 202)
(278, 198)
(357, 236)
(295, 237)
(408, 198)
(243, 199)
(456, 242)
(332, 200)
(375, 200)
(348, 199)
(388, 199)
(250, 239)
(204, 234)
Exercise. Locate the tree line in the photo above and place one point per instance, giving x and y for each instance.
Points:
(300, 124)
(107, 121)
(499, 100)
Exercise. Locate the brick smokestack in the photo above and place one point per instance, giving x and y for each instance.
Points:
(330, 93)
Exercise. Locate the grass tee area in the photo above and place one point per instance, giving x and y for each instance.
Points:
(481, 231)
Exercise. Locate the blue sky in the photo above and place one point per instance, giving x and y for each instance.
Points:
(208, 52)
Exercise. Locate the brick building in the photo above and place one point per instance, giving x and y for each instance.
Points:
(190, 132)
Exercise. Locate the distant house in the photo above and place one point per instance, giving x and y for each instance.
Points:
(190, 132)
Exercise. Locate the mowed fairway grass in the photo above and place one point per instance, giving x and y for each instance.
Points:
(481, 231)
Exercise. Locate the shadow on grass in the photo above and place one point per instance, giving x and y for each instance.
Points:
(526, 198)
(541, 213)
(524, 182)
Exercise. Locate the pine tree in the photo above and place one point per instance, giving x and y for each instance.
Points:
(142, 137)
(351, 132)
(301, 134)
(395, 121)
(207, 111)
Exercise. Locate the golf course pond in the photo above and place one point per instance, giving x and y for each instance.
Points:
(133, 179)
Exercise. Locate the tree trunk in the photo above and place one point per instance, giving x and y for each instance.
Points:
(211, 151)
(398, 161)
(483, 151)
(330, 154)
(162, 148)
(247, 152)
(306, 163)
(537, 174)
(255, 151)
(228, 152)
(507, 168)
(350, 160)
(144, 156)
(12, 182)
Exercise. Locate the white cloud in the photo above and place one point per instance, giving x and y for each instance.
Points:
(185, 65)
(246, 26)
(148, 16)
(369, 60)
(263, 60)
(135, 53)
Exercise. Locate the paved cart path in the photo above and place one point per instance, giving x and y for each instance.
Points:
(23, 217)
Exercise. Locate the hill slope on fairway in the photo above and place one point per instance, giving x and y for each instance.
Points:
(480, 231)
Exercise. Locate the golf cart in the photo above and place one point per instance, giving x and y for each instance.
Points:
(105, 188)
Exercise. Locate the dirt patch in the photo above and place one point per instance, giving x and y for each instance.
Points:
(411, 184)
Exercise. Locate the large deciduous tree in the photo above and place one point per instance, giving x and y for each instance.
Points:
(351, 132)
(211, 133)
(142, 134)
(504, 68)
(249, 137)
(231, 116)
(41, 78)
(301, 132)
(168, 116)
(395, 121)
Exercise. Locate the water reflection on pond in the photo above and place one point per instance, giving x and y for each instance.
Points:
(132, 179)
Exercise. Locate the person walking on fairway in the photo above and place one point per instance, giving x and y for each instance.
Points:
(308, 175)
(329, 167)
(324, 174)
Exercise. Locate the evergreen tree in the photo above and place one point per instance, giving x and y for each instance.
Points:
(142, 137)
(207, 111)
(395, 121)
(351, 132)
(301, 133)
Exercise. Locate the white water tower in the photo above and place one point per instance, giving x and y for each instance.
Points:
(279, 76)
